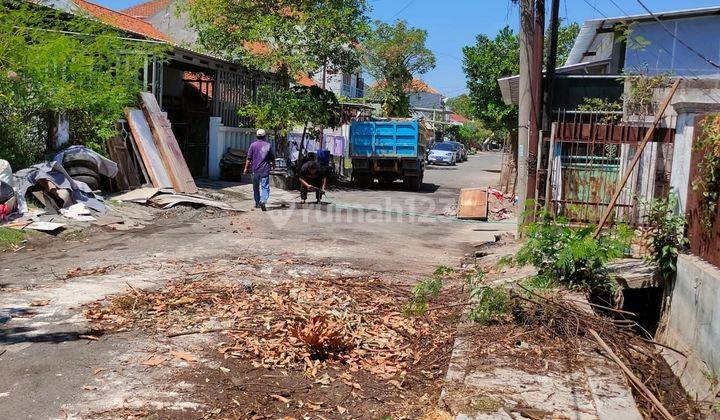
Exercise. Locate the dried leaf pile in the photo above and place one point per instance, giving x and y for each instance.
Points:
(306, 323)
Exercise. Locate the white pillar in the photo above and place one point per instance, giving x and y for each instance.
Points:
(216, 148)
(63, 129)
(680, 181)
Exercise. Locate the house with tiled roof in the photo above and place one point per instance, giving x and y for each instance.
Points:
(169, 17)
(201, 93)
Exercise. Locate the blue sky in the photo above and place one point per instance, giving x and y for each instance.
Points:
(453, 24)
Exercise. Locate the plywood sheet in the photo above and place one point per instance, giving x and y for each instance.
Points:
(143, 137)
(127, 177)
(473, 204)
(168, 146)
(140, 195)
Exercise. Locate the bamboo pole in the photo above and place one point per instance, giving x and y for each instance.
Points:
(634, 379)
(636, 159)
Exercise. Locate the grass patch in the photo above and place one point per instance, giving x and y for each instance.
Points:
(10, 238)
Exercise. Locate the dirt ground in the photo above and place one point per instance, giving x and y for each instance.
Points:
(57, 363)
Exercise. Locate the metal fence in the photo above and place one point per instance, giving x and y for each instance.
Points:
(585, 156)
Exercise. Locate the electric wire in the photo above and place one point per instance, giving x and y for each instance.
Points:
(678, 39)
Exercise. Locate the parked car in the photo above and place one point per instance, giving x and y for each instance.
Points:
(462, 151)
(444, 153)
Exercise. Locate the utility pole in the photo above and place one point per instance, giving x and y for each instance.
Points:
(551, 64)
(536, 84)
(525, 102)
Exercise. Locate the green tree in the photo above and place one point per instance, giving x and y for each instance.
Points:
(471, 134)
(461, 105)
(44, 72)
(312, 108)
(491, 59)
(484, 63)
(566, 40)
(292, 36)
(393, 55)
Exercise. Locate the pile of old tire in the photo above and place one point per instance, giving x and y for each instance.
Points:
(82, 167)
(232, 165)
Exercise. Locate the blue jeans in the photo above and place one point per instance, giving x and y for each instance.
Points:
(261, 188)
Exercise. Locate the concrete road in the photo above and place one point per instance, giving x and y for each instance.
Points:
(45, 366)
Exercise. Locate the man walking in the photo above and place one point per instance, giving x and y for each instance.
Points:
(262, 159)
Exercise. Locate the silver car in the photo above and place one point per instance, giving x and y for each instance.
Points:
(462, 151)
(443, 154)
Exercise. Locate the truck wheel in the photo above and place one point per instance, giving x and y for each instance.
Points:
(364, 181)
(412, 183)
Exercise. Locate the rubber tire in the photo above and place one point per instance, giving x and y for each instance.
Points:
(74, 171)
(412, 183)
(364, 181)
(92, 182)
(79, 159)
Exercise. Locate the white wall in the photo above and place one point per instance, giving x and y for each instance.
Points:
(426, 100)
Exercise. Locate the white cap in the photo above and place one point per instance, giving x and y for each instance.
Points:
(261, 133)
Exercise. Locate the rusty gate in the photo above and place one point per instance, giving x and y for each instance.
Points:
(584, 157)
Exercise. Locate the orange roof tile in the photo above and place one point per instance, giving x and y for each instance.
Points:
(305, 80)
(121, 21)
(420, 86)
(416, 86)
(458, 118)
(146, 9)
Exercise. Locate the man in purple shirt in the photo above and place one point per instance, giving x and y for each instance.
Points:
(262, 159)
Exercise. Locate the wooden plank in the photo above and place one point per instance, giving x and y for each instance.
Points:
(142, 135)
(473, 204)
(167, 146)
(636, 159)
(127, 177)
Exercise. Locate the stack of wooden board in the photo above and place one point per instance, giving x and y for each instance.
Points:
(158, 148)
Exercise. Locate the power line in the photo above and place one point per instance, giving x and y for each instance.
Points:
(696, 75)
(620, 8)
(595, 9)
(402, 9)
(698, 53)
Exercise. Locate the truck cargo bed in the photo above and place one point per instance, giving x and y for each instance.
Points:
(398, 139)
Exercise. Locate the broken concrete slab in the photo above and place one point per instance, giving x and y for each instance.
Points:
(635, 273)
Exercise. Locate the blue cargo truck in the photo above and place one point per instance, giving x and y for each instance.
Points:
(387, 151)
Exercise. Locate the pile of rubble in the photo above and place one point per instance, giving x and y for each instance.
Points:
(146, 160)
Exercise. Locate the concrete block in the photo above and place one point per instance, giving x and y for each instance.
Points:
(693, 327)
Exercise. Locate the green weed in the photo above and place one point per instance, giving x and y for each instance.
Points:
(443, 271)
(492, 305)
(539, 283)
(572, 256)
(10, 238)
(422, 294)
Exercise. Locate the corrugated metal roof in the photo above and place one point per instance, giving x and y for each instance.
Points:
(510, 86)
